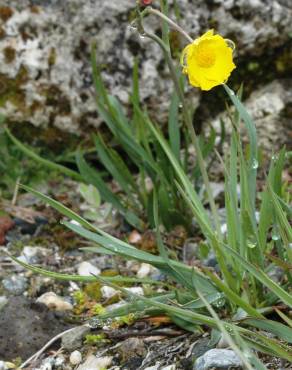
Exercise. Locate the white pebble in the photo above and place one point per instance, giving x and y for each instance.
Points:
(86, 269)
(54, 302)
(94, 363)
(108, 292)
(136, 290)
(144, 270)
(75, 358)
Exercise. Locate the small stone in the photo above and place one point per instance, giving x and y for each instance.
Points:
(3, 301)
(15, 284)
(48, 363)
(94, 363)
(136, 290)
(86, 269)
(132, 347)
(135, 237)
(108, 292)
(73, 339)
(2, 365)
(75, 358)
(145, 270)
(54, 302)
(169, 367)
(201, 346)
(218, 359)
(33, 254)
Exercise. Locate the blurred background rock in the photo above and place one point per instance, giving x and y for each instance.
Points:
(46, 89)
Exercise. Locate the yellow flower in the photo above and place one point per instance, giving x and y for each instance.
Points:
(208, 61)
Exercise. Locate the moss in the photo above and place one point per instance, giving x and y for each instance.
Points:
(11, 89)
(2, 33)
(52, 57)
(5, 13)
(56, 99)
(35, 9)
(9, 54)
(93, 291)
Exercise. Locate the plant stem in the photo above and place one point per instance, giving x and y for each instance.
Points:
(150, 10)
(191, 129)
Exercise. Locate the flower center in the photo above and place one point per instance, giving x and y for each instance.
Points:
(205, 56)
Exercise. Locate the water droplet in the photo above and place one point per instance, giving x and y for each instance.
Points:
(133, 25)
(232, 92)
(274, 157)
(254, 164)
(275, 237)
(230, 44)
(180, 106)
(251, 245)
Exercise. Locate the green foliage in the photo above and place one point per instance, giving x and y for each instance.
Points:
(15, 167)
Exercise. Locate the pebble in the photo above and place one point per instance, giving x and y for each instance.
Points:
(54, 302)
(145, 270)
(201, 347)
(86, 269)
(48, 363)
(73, 339)
(3, 301)
(28, 227)
(15, 284)
(132, 347)
(34, 254)
(75, 358)
(136, 290)
(108, 292)
(95, 363)
(218, 358)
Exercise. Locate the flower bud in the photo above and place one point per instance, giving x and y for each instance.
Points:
(146, 2)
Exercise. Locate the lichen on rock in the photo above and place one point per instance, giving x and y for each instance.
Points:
(45, 72)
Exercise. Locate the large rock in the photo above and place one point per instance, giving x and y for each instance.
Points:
(269, 108)
(45, 73)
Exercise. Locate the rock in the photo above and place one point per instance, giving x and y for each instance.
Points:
(268, 108)
(169, 367)
(73, 339)
(26, 327)
(75, 358)
(54, 302)
(48, 363)
(136, 290)
(219, 359)
(108, 292)
(3, 301)
(132, 347)
(45, 67)
(96, 363)
(25, 227)
(2, 365)
(33, 254)
(201, 347)
(15, 284)
(5, 224)
(135, 238)
(86, 269)
(145, 270)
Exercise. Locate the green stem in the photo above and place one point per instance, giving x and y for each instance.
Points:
(191, 129)
(169, 21)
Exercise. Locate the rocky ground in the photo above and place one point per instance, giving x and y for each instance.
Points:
(45, 73)
(57, 317)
